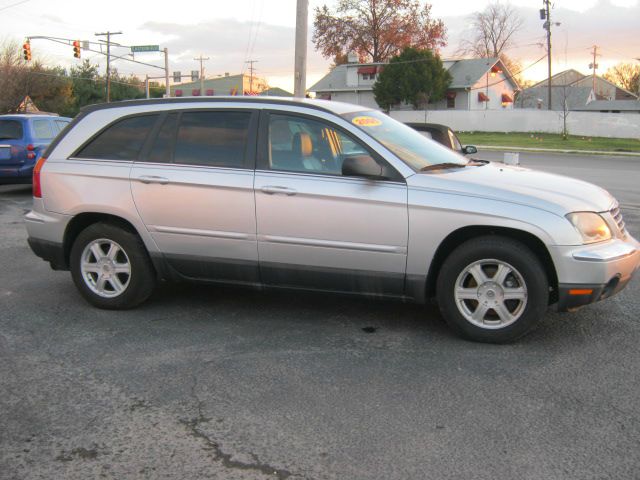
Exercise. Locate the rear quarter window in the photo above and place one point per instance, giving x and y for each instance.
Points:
(60, 124)
(122, 140)
(42, 129)
(11, 130)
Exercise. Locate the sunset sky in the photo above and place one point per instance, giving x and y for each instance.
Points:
(231, 32)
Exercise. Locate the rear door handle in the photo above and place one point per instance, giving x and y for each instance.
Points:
(153, 179)
(272, 189)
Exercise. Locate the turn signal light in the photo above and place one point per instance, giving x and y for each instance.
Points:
(37, 186)
(581, 291)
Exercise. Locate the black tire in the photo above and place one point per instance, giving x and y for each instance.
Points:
(137, 285)
(508, 253)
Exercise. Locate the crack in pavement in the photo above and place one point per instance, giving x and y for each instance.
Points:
(219, 455)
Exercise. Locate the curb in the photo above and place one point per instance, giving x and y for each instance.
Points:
(553, 150)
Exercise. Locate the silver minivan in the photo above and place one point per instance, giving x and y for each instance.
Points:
(322, 196)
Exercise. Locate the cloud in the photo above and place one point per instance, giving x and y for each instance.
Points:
(229, 43)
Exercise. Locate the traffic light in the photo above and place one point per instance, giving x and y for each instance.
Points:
(76, 48)
(26, 50)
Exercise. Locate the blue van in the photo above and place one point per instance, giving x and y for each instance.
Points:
(23, 139)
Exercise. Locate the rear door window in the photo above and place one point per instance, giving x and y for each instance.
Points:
(42, 129)
(122, 140)
(11, 130)
(213, 138)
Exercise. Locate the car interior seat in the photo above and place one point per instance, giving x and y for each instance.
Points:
(302, 148)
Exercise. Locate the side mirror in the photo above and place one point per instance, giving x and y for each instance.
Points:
(469, 150)
(361, 166)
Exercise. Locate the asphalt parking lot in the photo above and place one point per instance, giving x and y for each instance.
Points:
(211, 382)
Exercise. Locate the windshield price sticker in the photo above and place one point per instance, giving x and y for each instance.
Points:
(366, 121)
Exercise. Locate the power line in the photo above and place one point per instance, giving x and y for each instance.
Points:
(513, 75)
(617, 52)
(14, 4)
(251, 25)
(76, 77)
(257, 30)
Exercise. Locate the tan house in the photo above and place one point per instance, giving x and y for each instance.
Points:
(223, 85)
(602, 88)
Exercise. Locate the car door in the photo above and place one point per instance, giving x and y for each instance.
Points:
(317, 228)
(193, 189)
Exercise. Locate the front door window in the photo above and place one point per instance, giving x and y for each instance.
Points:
(298, 144)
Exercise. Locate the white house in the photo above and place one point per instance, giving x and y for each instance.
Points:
(477, 84)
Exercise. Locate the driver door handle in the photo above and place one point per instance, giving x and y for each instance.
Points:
(273, 189)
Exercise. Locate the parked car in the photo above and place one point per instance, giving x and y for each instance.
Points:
(23, 138)
(444, 135)
(319, 195)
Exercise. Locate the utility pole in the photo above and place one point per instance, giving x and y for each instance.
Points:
(201, 59)
(250, 62)
(146, 86)
(547, 26)
(108, 35)
(300, 64)
(594, 66)
(167, 92)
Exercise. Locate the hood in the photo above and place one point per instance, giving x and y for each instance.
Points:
(547, 191)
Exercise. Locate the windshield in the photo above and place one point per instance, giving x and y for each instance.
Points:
(408, 145)
(10, 130)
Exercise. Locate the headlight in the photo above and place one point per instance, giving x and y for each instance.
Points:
(591, 226)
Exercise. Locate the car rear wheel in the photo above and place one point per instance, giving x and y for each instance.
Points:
(492, 289)
(111, 268)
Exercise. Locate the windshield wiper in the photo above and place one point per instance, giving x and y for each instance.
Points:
(441, 166)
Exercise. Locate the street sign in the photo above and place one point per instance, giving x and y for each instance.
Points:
(145, 48)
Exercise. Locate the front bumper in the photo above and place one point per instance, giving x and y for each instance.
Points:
(590, 273)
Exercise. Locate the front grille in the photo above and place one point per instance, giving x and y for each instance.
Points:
(616, 214)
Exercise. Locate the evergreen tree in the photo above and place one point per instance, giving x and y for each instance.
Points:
(416, 77)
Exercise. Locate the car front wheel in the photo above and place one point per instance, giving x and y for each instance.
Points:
(111, 268)
(492, 289)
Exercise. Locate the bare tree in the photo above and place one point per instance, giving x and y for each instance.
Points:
(49, 88)
(13, 75)
(493, 30)
(625, 75)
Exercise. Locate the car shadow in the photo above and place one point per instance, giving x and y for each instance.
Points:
(366, 315)
(17, 189)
